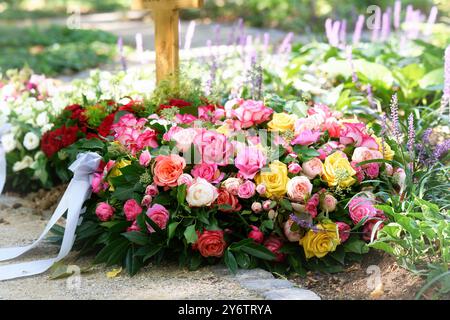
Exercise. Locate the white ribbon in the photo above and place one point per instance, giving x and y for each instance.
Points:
(77, 192)
(3, 129)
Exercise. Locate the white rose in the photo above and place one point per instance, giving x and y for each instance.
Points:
(201, 193)
(42, 119)
(299, 188)
(31, 141)
(232, 185)
(9, 142)
(26, 162)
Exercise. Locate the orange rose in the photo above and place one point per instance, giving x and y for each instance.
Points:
(168, 169)
(210, 243)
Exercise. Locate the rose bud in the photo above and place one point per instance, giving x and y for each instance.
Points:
(266, 205)
(294, 168)
(272, 214)
(146, 201)
(328, 203)
(256, 234)
(151, 190)
(256, 207)
(261, 189)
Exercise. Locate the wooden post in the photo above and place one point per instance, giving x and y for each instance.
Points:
(166, 18)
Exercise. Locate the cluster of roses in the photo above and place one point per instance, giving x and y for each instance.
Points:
(234, 171)
(73, 124)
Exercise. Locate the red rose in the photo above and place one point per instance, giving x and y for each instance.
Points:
(104, 129)
(274, 244)
(174, 103)
(53, 141)
(132, 106)
(226, 198)
(210, 243)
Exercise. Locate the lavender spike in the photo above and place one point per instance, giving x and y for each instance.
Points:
(446, 91)
(377, 25)
(431, 20)
(358, 29)
(343, 32)
(386, 26)
(140, 47)
(328, 29)
(394, 118)
(397, 14)
(285, 45)
(266, 43)
(411, 134)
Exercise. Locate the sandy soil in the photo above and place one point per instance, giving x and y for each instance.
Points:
(22, 220)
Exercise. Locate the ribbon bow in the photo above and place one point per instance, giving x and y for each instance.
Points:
(78, 191)
(5, 128)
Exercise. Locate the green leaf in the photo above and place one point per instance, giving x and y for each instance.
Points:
(230, 261)
(190, 234)
(258, 251)
(356, 246)
(238, 245)
(181, 194)
(172, 227)
(151, 253)
(286, 204)
(383, 246)
(432, 79)
(137, 237)
(243, 260)
(106, 252)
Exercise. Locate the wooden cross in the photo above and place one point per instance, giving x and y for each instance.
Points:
(166, 17)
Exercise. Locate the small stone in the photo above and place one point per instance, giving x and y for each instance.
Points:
(255, 274)
(291, 294)
(16, 205)
(263, 285)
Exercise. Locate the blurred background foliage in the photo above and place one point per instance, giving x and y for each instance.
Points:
(293, 15)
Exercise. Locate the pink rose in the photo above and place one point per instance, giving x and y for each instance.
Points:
(256, 234)
(232, 185)
(131, 209)
(134, 227)
(360, 208)
(104, 211)
(145, 158)
(214, 147)
(249, 161)
(361, 154)
(312, 168)
(184, 138)
(209, 172)
(274, 244)
(299, 188)
(344, 231)
(333, 127)
(206, 113)
(311, 205)
(185, 118)
(369, 226)
(306, 137)
(261, 189)
(170, 133)
(152, 190)
(355, 134)
(372, 170)
(246, 190)
(292, 236)
(256, 207)
(97, 183)
(328, 203)
(294, 168)
(159, 215)
(186, 179)
(267, 204)
(146, 201)
(251, 113)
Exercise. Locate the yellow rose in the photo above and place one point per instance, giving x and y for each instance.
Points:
(275, 180)
(115, 171)
(387, 153)
(282, 122)
(337, 171)
(319, 242)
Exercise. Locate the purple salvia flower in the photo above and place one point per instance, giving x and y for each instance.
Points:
(397, 14)
(370, 95)
(335, 33)
(385, 26)
(446, 90)
(426, 136)
(302, 223)
(440, 151)
(349, 53)
(394, 117)
(328, 29)
(431, 20)
(358, 29)
(343, 32)
(286, 44)
(377, 25)
(411, 134)
(189, 35)
(123, 61)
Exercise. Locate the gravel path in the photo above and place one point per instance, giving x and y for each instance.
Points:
(21, 225)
